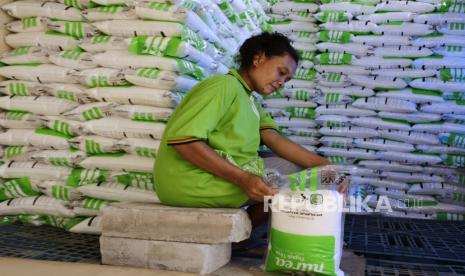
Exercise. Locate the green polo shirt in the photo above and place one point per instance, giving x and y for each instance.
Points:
(222, 112)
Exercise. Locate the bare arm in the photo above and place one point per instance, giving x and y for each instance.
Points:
(204, 157)
(291, 151)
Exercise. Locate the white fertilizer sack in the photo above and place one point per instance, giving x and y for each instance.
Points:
(90, 111)
(406, 6)
(17, 153)
(40, 138)
(437, 84)
(409, 136)
(90, 225)
(295, 122)
(434, 189)
(402, 51)
(41, 204)
(454, 107)
(113, 12)
(124, 59)
(438, 63)
(411, 158)
(93, 144)
(64, 158)
(101, 43)
(383, 144)
(56, 42)
(378, 182)
(120, 128)
(63, 125)
(389, 166)
(140, 147)
(333, 121)
(418, 117)
(41, 105)
(354, 9)
(337, 142)
(33, 170)
(350, 26)
(143, 113)
(67, 91)
(28, 24)
(130, 28)
(378, 62)
(346, 69)
(356, 91)
(25, 55)
(417, 96)
(118, 192)
(287, 7)
(98, 77)
(344, 110)
(352, 132)
(18, 119)
(378, 123)
(439, 40)
(349, 48)
(22, 9)
(403, 28)
(378, 18)
(155, 78)
(382, 40)
(385, 104)
(74, 59)
(315, 231)
(40, 73)
(349, 152)
(59, 190)
(302, 140)
(440, 149)
(135, 95)
(378, 82)
(21, 88)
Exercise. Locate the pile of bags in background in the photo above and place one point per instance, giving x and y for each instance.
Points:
(386, 98)
(89, 87)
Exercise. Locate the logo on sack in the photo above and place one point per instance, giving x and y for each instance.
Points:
(316, 199)
(299, 266)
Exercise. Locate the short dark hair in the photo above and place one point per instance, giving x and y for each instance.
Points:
(271, 44)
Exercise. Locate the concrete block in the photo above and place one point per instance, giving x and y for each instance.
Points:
(178, 256)
(148, 221)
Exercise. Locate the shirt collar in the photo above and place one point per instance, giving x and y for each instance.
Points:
(234, 72)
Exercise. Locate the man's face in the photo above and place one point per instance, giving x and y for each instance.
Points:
(269, 74)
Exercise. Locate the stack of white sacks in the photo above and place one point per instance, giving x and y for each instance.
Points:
(89, 87)
(390, 88)
(293, 106)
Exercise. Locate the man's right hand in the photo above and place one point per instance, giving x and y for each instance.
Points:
(255, 187)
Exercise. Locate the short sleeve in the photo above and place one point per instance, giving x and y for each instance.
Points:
(200, 112)
(265, 119)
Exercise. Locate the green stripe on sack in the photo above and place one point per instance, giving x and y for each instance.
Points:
(335, 36)
(92, 147)
(16, 115)
(12, 151)
(146, 152)
(63, 94)
(92, 113)
(18, 88)
(449, 216)
(62, 127)
(456, 140)
(29, 22)
(100, 39)
(313, 185)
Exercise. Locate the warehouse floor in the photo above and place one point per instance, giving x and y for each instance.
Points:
(237, 267)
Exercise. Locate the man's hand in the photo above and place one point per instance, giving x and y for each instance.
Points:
(344, 186)
(255, 188)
